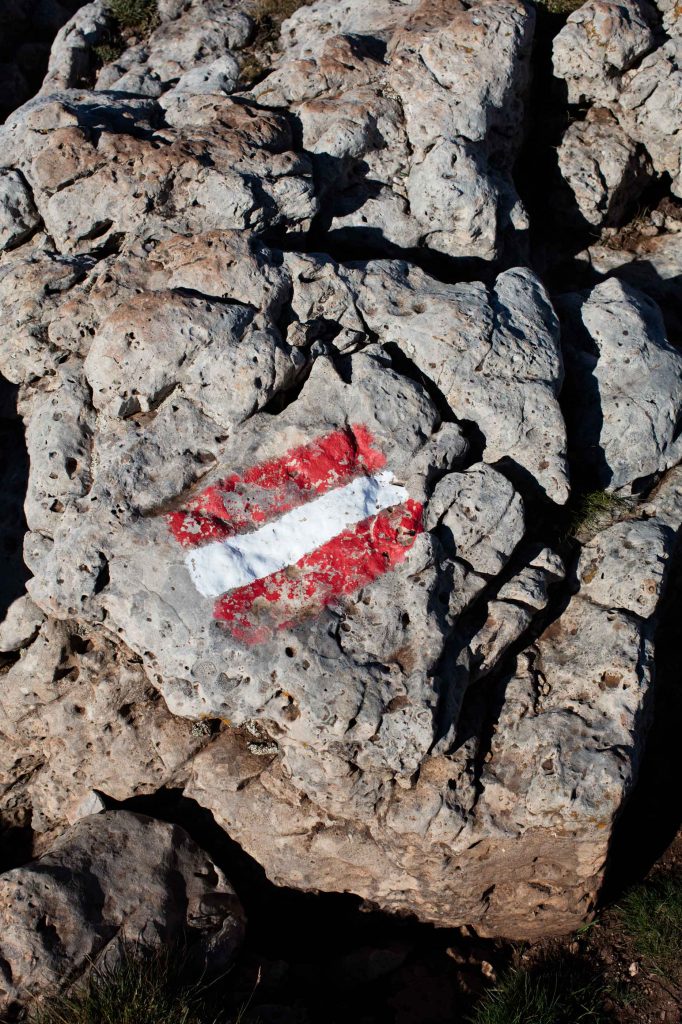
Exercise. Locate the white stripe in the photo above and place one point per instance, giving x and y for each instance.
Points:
(222, 565)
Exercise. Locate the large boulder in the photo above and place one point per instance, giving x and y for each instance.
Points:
(507, 827)
(292, 519)
(112, 879)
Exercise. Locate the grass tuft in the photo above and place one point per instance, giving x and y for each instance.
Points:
(137, 16)
(107, 53)
(556, 993)
(143, 987)
(562, 7)
(652, 916)
(268, 16)
(595, 511)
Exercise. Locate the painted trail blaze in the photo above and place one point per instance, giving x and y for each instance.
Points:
(280, 541)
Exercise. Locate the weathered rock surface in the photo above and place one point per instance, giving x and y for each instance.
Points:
(651, 263)
(600, 42)
(604, 169)
(289, 515)
(78, 716)
(412, 115)
(188, 38)
(625, 389)
(18, 215)
(111, 878)
(613, 54)
(106, 170)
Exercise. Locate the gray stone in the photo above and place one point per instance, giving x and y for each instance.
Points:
(604, 169)
(600, 41)
(20, 625)
(651, 104)
(18, 215)
(220, 76)
(493, 354)
(112, 878)
(217, 165)
(72, 57)
(651, 264)
(414, 150)
(482, 515)
(191, 42)
(625, 385)
(429, 724)
(78, 715)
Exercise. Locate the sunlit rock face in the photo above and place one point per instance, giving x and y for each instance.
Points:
(301, 444)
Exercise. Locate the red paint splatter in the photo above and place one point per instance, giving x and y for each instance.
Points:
(351, 560)
(274, 487)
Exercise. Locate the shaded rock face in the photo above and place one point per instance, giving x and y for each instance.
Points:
(293, 518)
(27, 29)
(112, 878)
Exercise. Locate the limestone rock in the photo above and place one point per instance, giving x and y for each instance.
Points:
(604, 169)
(101, 172)
(18, 215)
(651, 105)
(412, 148)
(191, 47)
(288, 514)
(493, 354)
(607, 54)
(617, 350)
(110, 878)
(20, 625)
(650, 263)
(220, 76)
(79, 717)
(600, 41)
(503, 836)
(72, 57)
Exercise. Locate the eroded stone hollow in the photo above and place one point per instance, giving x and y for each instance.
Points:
(301, 528)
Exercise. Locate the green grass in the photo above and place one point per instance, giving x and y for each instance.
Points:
(556, 993)
(108, 52)
(563, 7)
(652, 916)
(145, 987)
(138, 16)
(132, 18)
(594, 511)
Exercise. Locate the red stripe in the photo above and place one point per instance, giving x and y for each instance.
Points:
(356, 557)
(271, 488)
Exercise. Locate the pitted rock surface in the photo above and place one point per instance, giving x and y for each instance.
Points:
(298, 480)
(411, 114)
(625, 56)
(111, 878)
(619, 351)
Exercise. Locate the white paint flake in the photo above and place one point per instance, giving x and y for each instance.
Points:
(223, 565)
